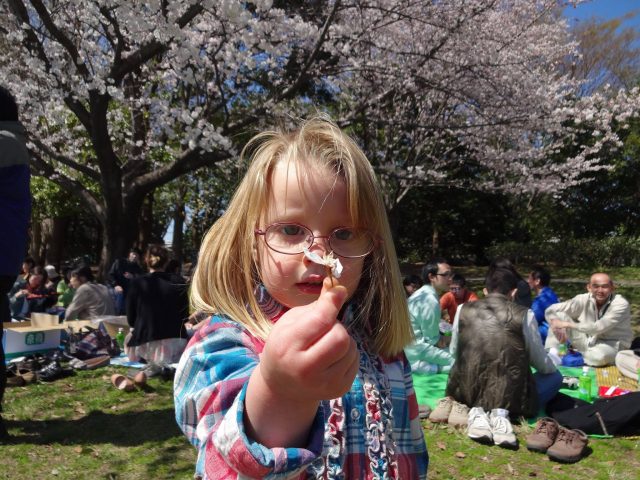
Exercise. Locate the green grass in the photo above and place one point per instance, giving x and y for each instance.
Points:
(81, 427)
(454, 456)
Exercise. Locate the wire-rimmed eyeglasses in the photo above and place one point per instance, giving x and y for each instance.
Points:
(293, 238)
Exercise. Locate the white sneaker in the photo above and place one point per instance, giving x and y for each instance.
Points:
(478, 426)
(502, 429)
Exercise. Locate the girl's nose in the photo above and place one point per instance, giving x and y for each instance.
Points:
(320, 245)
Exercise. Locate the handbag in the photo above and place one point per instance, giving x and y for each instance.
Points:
(91, 342)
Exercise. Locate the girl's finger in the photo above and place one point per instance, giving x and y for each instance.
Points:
(316, 319)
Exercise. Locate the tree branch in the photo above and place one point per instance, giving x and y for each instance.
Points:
(314, 53)
(60, 37)
(151, 49)
(189, 162)
(43, 169)
(84, 169)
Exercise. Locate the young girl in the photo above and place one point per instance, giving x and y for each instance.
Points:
(300, 374)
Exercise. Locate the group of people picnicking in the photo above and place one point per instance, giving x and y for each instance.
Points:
(497, 339)
(303, 362)
(154, 299)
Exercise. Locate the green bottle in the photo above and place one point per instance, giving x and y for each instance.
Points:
(120, 338)
(584, 385)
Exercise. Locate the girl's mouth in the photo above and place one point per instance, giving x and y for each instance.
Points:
(310, 288)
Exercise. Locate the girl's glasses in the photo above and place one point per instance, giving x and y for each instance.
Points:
(293, 238)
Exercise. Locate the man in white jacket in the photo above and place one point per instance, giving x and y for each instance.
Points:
(597, 324)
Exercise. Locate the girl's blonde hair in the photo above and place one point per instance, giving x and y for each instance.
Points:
(227, 274)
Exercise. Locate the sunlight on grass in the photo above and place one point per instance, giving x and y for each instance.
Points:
(82, 427)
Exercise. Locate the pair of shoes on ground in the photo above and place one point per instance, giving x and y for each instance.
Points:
(449, 411)
(127, 383)
(19, 377)
(53, 371)
(493, 428)
(559, 443)
(90, 363)
(32, 362)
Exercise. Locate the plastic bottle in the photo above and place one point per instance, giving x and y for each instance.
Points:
(431, 369)
(562, 350)
(584, 385)
(120, 337)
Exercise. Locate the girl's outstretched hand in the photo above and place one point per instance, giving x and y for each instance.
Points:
(309, 355)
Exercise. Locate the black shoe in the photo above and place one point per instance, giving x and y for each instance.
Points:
(52, 372)
(61, 356)
(31, 363)
(167, 373)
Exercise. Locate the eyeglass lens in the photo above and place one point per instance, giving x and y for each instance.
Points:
(292, 238)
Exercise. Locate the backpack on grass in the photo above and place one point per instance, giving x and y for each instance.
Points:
(606, 416)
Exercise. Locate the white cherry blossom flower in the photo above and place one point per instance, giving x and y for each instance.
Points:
(333, 265)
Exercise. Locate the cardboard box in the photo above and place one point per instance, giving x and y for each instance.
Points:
(112, 324)
(76, 325)
(21, 338)
(44, 320)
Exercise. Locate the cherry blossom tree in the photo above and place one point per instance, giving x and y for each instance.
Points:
(436, 87)
(122, 97)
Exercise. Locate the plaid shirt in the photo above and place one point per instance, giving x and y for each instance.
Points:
(371, 432)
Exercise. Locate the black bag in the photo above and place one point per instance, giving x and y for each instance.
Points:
(606, 416)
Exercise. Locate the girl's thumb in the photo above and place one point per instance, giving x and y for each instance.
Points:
(333, 291)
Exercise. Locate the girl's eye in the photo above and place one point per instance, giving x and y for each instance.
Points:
(343, 234)
(292, 229)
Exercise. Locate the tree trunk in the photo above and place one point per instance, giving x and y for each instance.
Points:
(36, 240)
(177, 241)
(435, 241)
(54, 233)
(119, 232)
(145, 228)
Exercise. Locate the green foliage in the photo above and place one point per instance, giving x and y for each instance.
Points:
(50, 200)
(615, 251)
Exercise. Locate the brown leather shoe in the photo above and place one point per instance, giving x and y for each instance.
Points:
(569, 446)
(95, 362)
(544, 435)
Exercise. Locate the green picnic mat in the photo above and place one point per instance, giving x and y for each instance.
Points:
(430, 388)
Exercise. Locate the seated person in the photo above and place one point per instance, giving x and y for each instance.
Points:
(91, 299)
(157, 309)
(16, 302)
(424, 309)
(597, 324)
(53, 277)
(495, 343)
(456, 296)
(64, 289)
(628, 361)
(539, 280)
(36, 297)
(411, 283)
(523, 296)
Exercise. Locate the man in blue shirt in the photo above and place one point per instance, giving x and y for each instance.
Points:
(539, 280)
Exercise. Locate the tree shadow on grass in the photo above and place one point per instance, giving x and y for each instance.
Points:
(124, 429)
